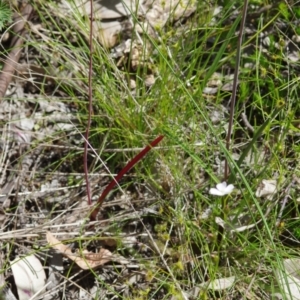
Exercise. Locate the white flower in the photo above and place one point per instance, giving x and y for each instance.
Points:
(222, 189)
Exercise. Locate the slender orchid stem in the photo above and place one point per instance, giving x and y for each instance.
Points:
(117, 178)
(235, 84)
(90, 108)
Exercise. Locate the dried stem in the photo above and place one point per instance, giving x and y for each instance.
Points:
(231, 118)
(90, 108)
(235, 83)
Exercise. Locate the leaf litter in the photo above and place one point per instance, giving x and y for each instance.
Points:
(86, 260)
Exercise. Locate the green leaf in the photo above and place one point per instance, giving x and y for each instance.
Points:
(284, 10)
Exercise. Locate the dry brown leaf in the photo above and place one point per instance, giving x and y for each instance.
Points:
(87, 260)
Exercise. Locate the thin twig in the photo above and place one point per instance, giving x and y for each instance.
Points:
(116, 150)
(246, 122)
(235, 83)
(90, 108)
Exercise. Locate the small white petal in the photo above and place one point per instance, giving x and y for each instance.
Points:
(214, 191)
(222, 189)
(222, 186)
(229, 188)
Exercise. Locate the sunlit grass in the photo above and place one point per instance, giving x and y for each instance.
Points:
(183, 61)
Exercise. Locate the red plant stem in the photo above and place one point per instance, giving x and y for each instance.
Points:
(117, 178)
(90, 108)
(235, 85)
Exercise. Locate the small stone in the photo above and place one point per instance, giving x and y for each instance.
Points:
(150, 80)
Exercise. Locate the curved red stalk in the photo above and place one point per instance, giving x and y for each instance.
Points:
(117, 178)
